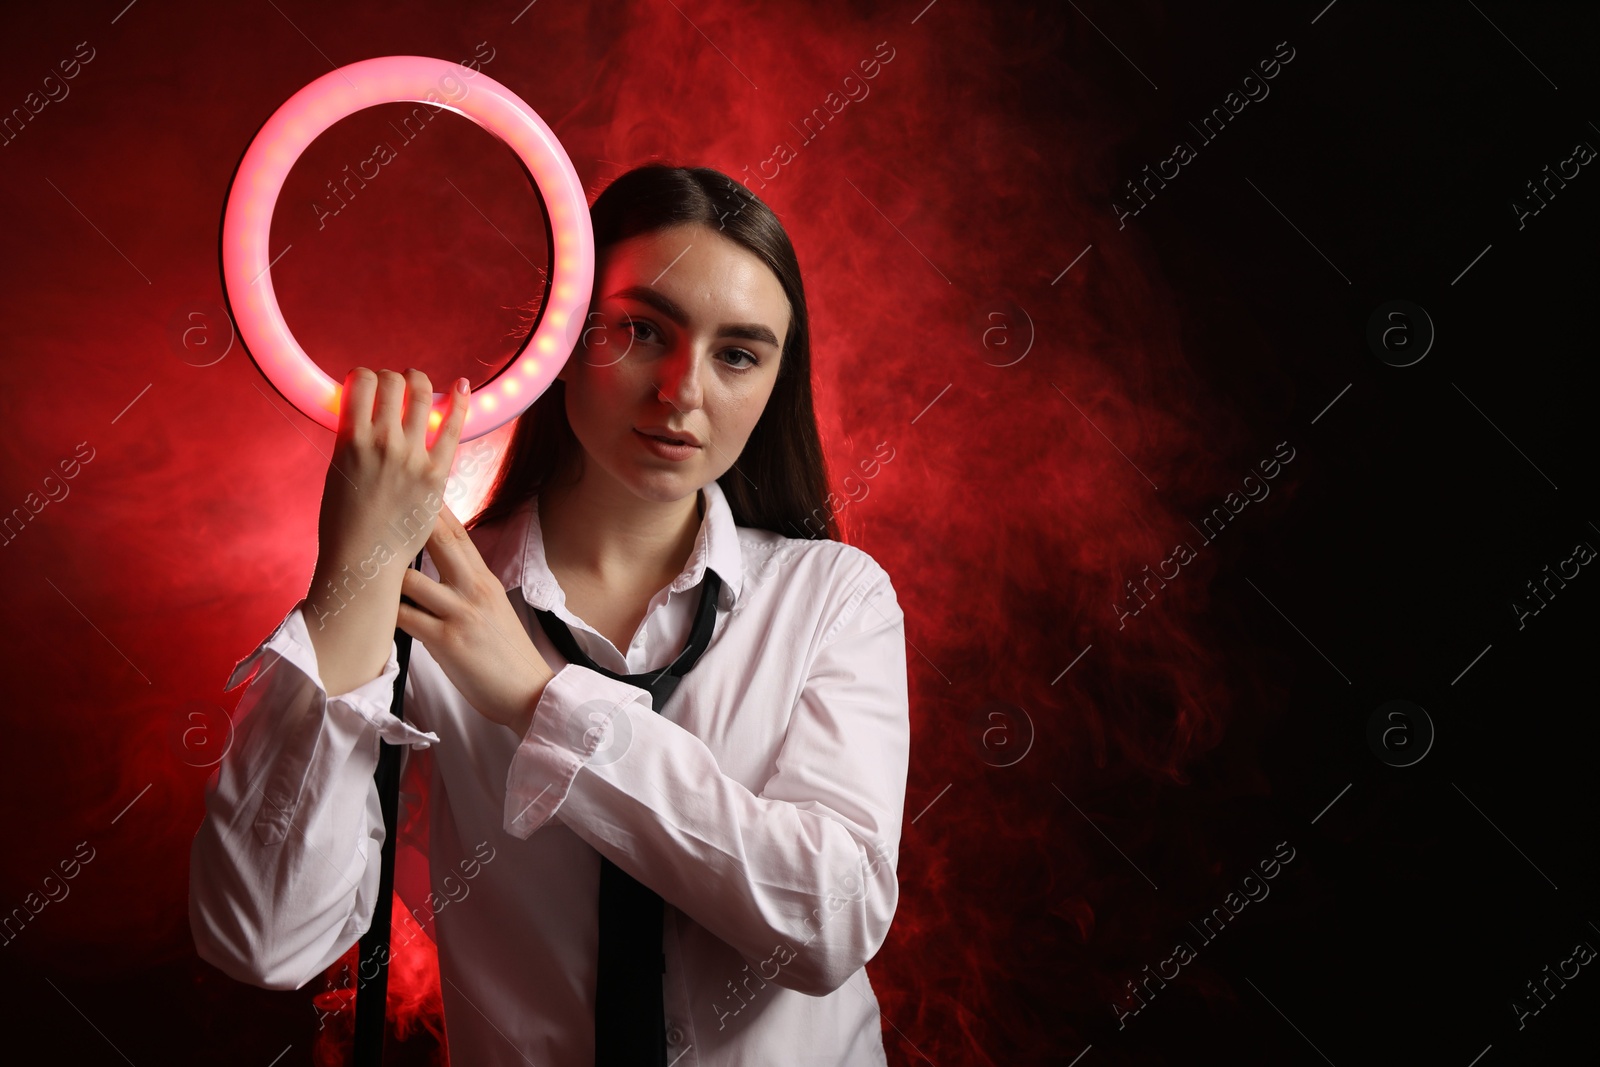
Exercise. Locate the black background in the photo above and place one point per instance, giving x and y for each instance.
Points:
(1408, 132)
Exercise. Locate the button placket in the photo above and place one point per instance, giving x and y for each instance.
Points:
(675, 993)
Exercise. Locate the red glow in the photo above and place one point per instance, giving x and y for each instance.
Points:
(415, 1001)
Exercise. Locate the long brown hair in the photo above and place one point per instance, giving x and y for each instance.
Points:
(779, 482)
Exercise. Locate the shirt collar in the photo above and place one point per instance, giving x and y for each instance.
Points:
(517, 555)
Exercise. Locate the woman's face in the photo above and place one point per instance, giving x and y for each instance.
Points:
(683, 340)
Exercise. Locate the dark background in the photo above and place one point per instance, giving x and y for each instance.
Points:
(936, 220)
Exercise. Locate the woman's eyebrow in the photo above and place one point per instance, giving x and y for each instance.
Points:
(749, 331)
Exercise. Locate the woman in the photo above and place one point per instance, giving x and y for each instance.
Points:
(753, 818)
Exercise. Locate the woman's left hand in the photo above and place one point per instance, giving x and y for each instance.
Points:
(469, 627)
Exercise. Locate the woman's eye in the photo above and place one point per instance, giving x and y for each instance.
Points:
(736, 352)
(635, 325)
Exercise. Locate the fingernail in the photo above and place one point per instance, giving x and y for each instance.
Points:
(461, 386)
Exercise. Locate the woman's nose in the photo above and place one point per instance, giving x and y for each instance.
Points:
(679, 383)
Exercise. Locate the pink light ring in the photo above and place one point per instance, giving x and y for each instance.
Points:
(247, 227)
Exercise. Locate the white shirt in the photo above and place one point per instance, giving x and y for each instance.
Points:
(764, 806)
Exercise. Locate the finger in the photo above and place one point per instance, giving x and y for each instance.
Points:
(452, 550)
(429, 595)
(419, 624)
(449, 436)
(386, 413)
(355, 405)
(449, 518)
(419, 402)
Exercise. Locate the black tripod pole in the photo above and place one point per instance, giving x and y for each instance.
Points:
(372, 973)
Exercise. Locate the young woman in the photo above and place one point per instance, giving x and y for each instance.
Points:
(716, 763)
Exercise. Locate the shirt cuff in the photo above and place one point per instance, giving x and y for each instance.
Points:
(291, 641)
(581, 718)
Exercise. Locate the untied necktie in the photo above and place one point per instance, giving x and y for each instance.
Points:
(630, 1016)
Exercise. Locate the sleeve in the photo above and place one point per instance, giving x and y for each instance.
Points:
(808, 862)
(283, 872)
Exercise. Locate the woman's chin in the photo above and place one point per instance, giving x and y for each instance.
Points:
(663, 486)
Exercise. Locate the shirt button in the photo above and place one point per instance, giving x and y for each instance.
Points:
(674, 1036)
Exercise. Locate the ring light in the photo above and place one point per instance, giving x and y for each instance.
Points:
(253, 196)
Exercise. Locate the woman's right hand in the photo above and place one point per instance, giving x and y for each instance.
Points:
(380, 500)
(385, 484)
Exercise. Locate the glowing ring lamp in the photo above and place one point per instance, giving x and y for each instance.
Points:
(253, 196)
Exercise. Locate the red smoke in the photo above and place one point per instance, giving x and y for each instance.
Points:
(415, 1001)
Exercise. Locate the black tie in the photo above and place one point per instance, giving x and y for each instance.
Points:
(630, 1019)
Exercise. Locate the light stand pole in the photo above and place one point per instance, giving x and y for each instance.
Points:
(372, 994)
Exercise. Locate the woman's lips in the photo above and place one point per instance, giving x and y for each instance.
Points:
(664, 448)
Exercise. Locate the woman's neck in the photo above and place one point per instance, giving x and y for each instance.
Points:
(612, 537)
